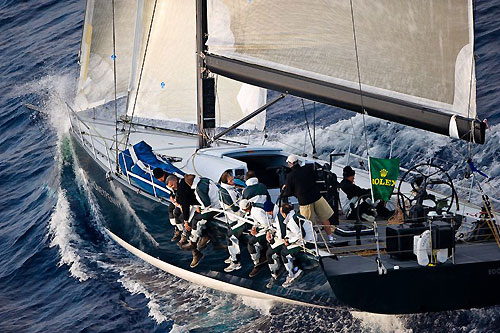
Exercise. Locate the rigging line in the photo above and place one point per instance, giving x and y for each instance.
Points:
(217, 100)
(40, 127)
(471, 135)
(140, 75)
(114, 80)
(359, 78)
(314, 124)
(308, 129)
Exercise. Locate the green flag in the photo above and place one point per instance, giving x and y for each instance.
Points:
(383, 173)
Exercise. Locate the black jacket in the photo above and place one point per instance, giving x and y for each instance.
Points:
(185, 197)
(301, 183)
(352, 190)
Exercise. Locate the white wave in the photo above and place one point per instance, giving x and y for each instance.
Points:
(54, 89)
(263, 306)
(135, 287)
(123, 200)
(171, 298)
(372, 322)
(179, 329)
(64, 237)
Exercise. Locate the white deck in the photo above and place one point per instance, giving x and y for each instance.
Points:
(209, 162)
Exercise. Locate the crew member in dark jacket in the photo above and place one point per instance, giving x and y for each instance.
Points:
(174, 210)
(353, 191)
(301, 183)
(186, 200)
(347, 185)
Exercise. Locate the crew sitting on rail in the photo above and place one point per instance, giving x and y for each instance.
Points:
(174, 210)
(189, 204)
(185, 199)
(257, 244)
(255, 191)
(290, 233)
(353, 192)
(229, 198)
(206, 193)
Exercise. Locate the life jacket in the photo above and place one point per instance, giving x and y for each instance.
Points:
(206, 193)
(255, 191)
(227, 199)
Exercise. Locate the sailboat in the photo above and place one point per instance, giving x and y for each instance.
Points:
(162, 82)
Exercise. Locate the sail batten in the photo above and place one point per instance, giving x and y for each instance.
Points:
(415, 53)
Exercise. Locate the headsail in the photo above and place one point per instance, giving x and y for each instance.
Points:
(167, 88)
(168, 83)
(415, 57)
(95, 85)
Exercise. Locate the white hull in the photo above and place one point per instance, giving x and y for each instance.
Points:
(204, 281)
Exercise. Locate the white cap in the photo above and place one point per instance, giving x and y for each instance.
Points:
(292, 158)
(244, 204)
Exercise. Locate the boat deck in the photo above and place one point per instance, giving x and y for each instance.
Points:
(354, 262)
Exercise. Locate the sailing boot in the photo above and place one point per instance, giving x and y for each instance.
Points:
(189, 246)
(182, 241)
(291, 279)
(203, 242)
(258, 265)
(256, 270)
(197, 256)
(234, 264)
(177, 235)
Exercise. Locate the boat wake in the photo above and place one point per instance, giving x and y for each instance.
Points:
(63, 236)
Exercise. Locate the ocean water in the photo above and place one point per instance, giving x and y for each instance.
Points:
(59, 272)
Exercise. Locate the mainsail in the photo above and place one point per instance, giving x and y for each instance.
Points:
(160, 82)
(408, 61)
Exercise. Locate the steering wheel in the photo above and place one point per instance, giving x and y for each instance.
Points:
(421, 179)
(363, 199)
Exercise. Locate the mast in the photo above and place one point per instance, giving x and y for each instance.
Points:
(201, 73)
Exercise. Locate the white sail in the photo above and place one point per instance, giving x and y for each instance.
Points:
(167, 88)
(96, 82)
(417, 51)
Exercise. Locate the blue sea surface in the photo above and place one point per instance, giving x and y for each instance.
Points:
(59, 272)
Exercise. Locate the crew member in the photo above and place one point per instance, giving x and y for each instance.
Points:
(293, 231)
(255, 191)
(257, 244)
(301, 183)
(229, 198)
(353, 193)
(174, 211)
(187, 201)
(206, 194)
